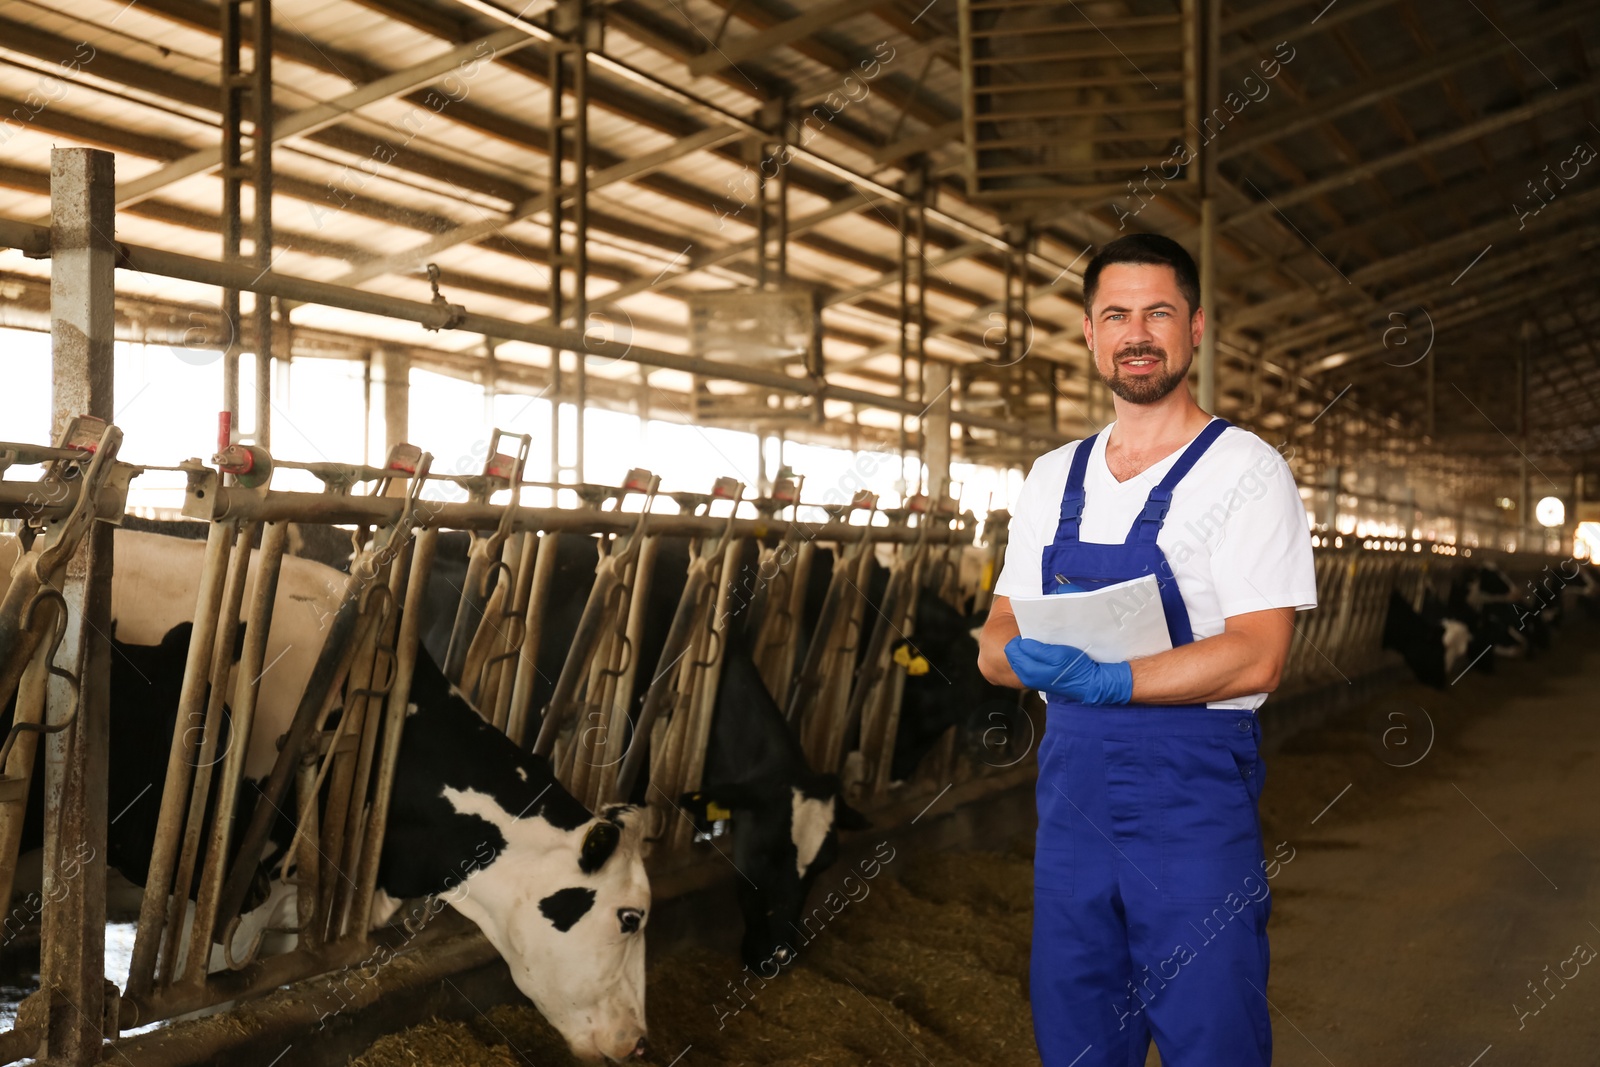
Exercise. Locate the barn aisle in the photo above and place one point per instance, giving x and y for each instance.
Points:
(1422, 903)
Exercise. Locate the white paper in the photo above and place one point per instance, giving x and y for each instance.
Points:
(1111, 624)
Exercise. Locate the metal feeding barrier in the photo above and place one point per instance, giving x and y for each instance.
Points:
(838, 681)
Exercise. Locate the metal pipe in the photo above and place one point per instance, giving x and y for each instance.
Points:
(661, 687)
(519, 554)
(470, 612)
(343, 921)
(346, 633)
(708, 681)
(320, 507)
(253, 657)
(544, 566)
(19, 763)
(583, 642)
(427, 543)
(221, 667)
(14, 234)
(617, 725)
(153, 907)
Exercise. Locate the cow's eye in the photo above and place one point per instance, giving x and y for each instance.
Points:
(630, 918)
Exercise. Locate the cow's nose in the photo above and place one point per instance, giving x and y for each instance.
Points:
(641, 1050)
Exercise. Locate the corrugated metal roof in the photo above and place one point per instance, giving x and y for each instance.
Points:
(148, 89)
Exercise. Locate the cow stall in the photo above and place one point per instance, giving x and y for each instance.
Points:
(837, 671)
(334, 763)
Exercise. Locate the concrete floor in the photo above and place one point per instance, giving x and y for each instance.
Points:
(1431, 885)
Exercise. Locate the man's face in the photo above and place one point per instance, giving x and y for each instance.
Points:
(1141, 332)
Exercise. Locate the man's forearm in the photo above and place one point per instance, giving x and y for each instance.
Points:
(998, 629)
(1213, 668)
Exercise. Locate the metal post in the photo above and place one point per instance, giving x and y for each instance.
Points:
(232, 173)
(82, 196)
(1525, 524)
(260, 89)
(393, 722)
(575, 34)
(366, 407)
(937, 430)
(1014, 309)
(396, 397)
(772, 197)
(1210, 92)
(913, 304)
(247, 97)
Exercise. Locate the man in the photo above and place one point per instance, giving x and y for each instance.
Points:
(1150, 905)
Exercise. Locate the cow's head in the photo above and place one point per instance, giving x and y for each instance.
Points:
(943, 687)
(566, 908)
(784, 835)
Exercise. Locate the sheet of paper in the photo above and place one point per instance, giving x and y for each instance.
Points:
(1112, 623)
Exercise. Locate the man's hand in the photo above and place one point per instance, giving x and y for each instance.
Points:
(1069, 672)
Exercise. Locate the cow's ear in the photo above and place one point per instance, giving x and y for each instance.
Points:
(598, 845)
(178, 636)
(847, 818)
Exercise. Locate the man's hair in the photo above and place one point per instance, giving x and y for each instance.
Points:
(1150, 248)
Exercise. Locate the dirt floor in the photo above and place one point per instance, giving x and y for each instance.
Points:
(1441, 855)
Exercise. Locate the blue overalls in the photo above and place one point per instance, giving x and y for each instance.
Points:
(1150, 898)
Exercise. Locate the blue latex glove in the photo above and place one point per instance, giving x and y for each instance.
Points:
(1069, 673)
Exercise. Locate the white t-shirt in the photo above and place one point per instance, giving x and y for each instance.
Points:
(1236, 536)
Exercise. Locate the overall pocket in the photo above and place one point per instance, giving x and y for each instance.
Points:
(1052, 854)
(1210, 831)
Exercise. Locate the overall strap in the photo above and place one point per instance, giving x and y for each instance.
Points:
(1072, 499)
(1148, 524)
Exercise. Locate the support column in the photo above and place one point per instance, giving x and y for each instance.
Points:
(491, 379)
(913, 301)
(575, 33)
(1526, 525)
(936, 427)
(247, 98)
(1330, 517)
(395, 371)
(772, 197)
(1210, 92)
(82, 202)
(1014, 375)
(367, 379)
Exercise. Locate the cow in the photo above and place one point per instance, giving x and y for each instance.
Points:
(1517, 625)
(559, 891)
(943, 687)
(785, 817)
(1437, 647)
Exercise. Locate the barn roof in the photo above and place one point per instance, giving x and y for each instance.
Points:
(1404, 192)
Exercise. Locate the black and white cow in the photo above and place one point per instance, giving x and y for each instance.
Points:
(786, 818)
(943, 687)
(561, 893)
(1437, 646)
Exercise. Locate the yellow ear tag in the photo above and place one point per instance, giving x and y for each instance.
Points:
(716, 812)
(915, 665)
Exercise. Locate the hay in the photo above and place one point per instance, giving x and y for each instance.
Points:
(929, 968)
